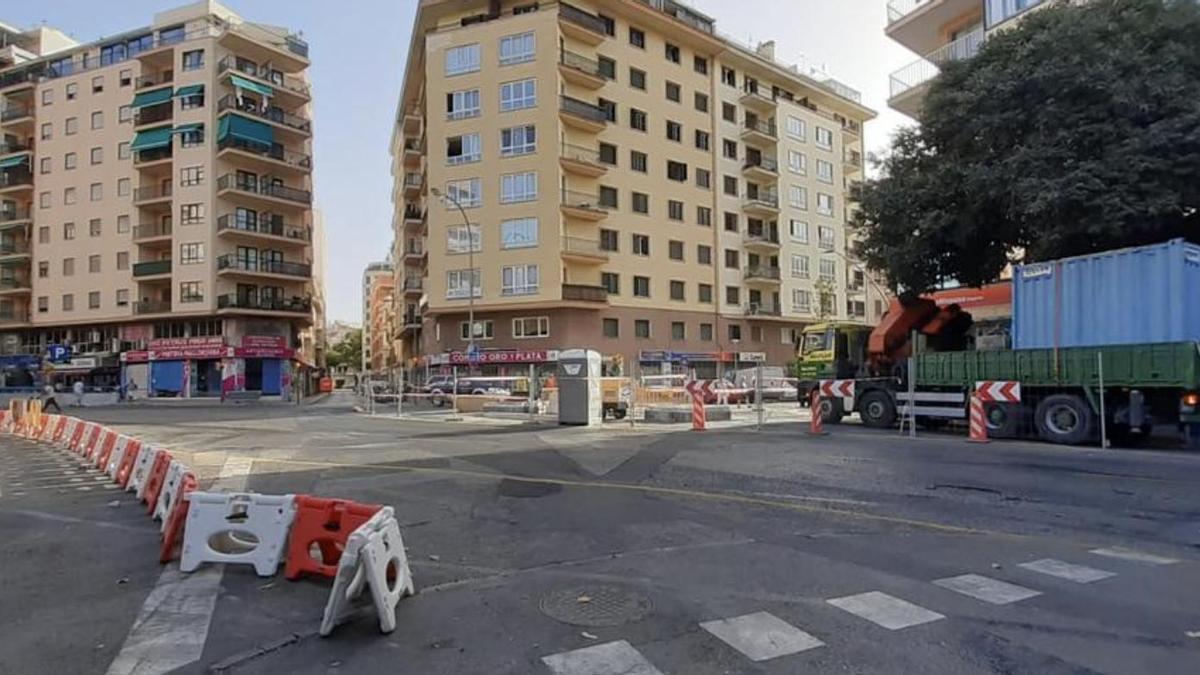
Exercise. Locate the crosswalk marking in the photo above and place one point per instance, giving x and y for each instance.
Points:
(761, 636)
(1123, 553)
(987, 589)
(610, 658)
(1063, 570)
(885, 610)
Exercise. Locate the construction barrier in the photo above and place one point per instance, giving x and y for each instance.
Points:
(133, 451)
(155, 480)
(374, 560)
(325, 524)
(251, 528)
(141, 470)
(107, 442)
(816, 424)
(978, 423)
(161, 509)
(175, 522)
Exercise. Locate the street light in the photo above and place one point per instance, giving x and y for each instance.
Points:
(470, 264)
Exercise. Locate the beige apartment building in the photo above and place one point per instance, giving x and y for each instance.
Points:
(156, 207)
(942, 31)
(378, 317)
(630, 181)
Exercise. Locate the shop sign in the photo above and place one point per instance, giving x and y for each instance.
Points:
(187, 343)
(752, 357)
(503, 356)
(264, 342)
(655, 355)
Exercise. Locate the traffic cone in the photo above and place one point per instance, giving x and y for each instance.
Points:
(978, 422)
(816, 425)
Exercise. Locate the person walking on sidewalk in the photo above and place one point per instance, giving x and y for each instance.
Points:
(48, 399)
(78, 389)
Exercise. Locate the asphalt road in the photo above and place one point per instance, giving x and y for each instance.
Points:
(543, 550)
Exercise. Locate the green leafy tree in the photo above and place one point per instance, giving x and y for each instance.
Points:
(347, 353)
(1075, 131)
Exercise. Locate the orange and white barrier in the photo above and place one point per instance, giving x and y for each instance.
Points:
(978, 421)
(372, 551)
(816, 423)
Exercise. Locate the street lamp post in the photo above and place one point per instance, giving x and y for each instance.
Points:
(471, 265)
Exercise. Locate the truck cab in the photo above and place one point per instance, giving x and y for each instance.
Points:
(831, 351)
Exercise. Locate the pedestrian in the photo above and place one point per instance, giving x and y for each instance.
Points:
(48, 399)
(78, 389)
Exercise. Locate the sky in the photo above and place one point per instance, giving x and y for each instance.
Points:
(358, 49)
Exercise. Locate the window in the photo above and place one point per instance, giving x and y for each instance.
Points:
(68, 267)
(463, 149)
(191, 253)
(700, 65)
(98, 84)
(68, 231)
(44, 269)
(611, 328)
(610, 25)
(608, 197)
(637, 79)
(800, 266)
(47, 96)
(96, 191)
(729, 148)
(609, 240)
(518, 187)
(637, 119)
(735, 332)
(456, 284)
(468, 193)
(641, 287)
(47, 131)
(704, 180)
(701, 102)
(671, 52)
(637, 161)
(641, 202)
(43, 304)
(97, 156)
(519, 233)
(516, 48)
(464, 59)
(801, 301)
(465, 103)
(609, 108)
(72, 91)
(191, 214)
(191, 175)
(637, 38)
(69, 195)
(732, 258)
(68, 302)
(731, 185)
(731, 222)
(94, 227)
(704, 254)
(607, 67)
(729, 112)
(457, 239)
(825, 171)
(641, 244)
(733, 295)
(824, 204)
(798, 197)
(122, 297)
(69, 161)
(484, 330)
(122, 224)
(125, 113)
(706, 332)
(798, 163)
(728, 76)
(46, 164)
(678, 330)
(798, 231)
(531, 327)
(516, 95)
(122, 261)
(674, 131)
(97, 120)
(824, 138)
(125, 77)
(93, 264)
(611, 281)
(608, 154)
(518, 141)
(704, 216)
(677, 171)
(825, 238)
(192, 291)
(704, 292)
(71, 126)
(44, 234)
(827, 270)
(641, 328)
(796, 128)
(519, 279)
(193, 59)
(674, 209)
(677, 290)
(123, 151)
(192, 138)
(675, 250)
(44, 200)
(674, 92)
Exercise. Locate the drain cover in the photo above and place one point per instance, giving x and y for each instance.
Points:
(594, 606)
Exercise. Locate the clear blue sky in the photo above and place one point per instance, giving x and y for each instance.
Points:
(358, 49)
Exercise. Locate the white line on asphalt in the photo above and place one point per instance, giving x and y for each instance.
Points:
(1064, 570)
(610, 658)
(161, 644)
(1136, 556)
(761, 636)
(887, 611)
(987, 589)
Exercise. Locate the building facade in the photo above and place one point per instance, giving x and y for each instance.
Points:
(618, 176)
(378, 315)
(156, 206)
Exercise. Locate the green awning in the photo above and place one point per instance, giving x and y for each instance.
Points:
(189, 90)
(255, 87)
(185, 128)
(152, 97)
(248, 130)
(154, 138)
(13, 161)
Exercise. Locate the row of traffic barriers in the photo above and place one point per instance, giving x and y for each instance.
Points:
(357, 545)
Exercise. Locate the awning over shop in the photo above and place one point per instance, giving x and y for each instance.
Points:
(151, 139)
(255, 87)
(155, 97)
(13, 161)
(248, 130)
(189, 90)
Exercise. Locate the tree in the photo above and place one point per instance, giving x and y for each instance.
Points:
(346, 353)
(1075, 131)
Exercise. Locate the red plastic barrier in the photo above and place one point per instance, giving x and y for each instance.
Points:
(327, 523)
(77, 437)
(125, 471)
(174, 529)
(154, 483)
(107, 444)
(91, 442)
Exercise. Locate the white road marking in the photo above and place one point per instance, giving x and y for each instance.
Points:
(887, 611)
(1064, 570)
(1136, 556)
(761, 636)
(610, 658)
(987, 589)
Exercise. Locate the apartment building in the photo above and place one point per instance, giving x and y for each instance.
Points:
(156, 206)
(378, 316)
(619, 176)
(942, 31)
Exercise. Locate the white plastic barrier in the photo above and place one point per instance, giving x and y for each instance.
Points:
(141, 470)
(169, 491)
(252, 529)
(374, 552)
(118, 453)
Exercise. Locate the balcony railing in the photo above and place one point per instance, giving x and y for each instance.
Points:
(413, 181)
(145, 81)
(925, 69)
(581, 246)
(412, 213)
(585, 19)
(757, 95)
(152, 307)
(152, 230)
(272, 78)
(230, 261)
(149, 192)
(584, 293)
(584, 109)
(414, 284)
(766, 127)
(154, 113)
(15, 178)
(581, 153)
(297, 304)
(273, 114)
(760, 309)
(14, 284)
(898, 9)
(146, 269)
(264, 225)
(231, 182)
(14, 248)
(762, 237)
(10, 147)
(581, 63)
(14, 214)
(852, 157)
(765, 163)
(14, 316)
(766, 199)
(153, 155)
(582, 200)
(13, 112)
(762, 272)
(275, 152)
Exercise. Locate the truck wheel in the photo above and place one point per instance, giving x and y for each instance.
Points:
(1004, 420)
(832, 410)
(1065, 419)
(877, 410)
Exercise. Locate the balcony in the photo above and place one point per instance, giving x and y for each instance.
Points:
(580, 25)
(152, 307)
(414, 151)
(154, 80)
(153, 156)
(14, 249)
(264, 191)
(414, 184)
(582, 115)
(154, 114)
(273, 156)
(265, 226)
(582, 205)
(414, 287)
(152, 233)
(918, 24)
(761, 239)
(413, 117)
(762, 310)
(415, 255)
(234, 265)
(154, 268)
(852, 161)
(273, 114)
(151, 193)
(14, 317)
(761, 167)
(762, 203)
(581, 161)
(763, 131)
(14, 285)
(581, 70)
(294, 305)
(410, 322)
(590, 294)
(272, 79)
(908, 85)
(585, 251)
(762, 274)
(16, 114)
(13, 147)
(758, 100)
(16, 180)
(14, 216)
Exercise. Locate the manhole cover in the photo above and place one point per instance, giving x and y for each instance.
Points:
(595, 606)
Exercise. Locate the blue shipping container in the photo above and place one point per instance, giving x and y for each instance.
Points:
(1127, 296)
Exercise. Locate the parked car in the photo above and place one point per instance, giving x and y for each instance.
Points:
(439, 387)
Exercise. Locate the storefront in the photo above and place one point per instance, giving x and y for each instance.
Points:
(495, 363)
(705, 365)
(203, 367)
(20, 371)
